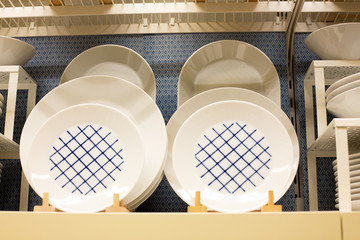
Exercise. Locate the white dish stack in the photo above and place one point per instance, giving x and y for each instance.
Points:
(342, 96)
(97, 135)
(229, 138)
(354, 162)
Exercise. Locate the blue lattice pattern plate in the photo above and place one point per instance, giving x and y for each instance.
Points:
(203, 99)
(83, 155)
(234, 152)
(112, 60)
(228, 63)
(114, 92)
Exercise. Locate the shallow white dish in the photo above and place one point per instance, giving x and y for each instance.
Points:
(343, 88)
(234, 152)
(14, 51)
(353, 191)
(341, 82)
(228, 63)
(353, 165)
(112, 60)
(353, 160)
(203, 99)
(353, 197)
(83, 155)
(342, 105)
(355, 205)
(336, 42)
(114, 92)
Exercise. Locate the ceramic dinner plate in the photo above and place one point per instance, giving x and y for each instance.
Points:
(353, 197)
(354, 165)
(114, 92)
(342, 82)
(234, 152)
(353, 191)
(83, 155)
(228, 63)
(342, 105)
(112, 60)
(355, 205)
(208, 97)
(343, 88)
(353, 160)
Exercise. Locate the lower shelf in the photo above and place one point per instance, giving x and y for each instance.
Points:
(285, 225)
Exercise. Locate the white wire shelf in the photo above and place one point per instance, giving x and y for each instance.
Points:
(83, 17)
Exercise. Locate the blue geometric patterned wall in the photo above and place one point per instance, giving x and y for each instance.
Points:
(166, 54)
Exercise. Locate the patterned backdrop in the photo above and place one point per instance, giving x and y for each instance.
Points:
(166, 54)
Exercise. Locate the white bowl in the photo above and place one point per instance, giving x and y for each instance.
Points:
(115, 92)
(228, 63)
(203, 99)
(15, 52)
(112, 60)
(344, 105)
(336, 42)
(234, 152)
(83, 155)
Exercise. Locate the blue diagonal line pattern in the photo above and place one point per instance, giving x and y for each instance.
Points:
(86, 159)
(232, 157)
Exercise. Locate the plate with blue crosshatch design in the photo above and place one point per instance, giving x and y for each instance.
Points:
(234, 152)
(83, 155)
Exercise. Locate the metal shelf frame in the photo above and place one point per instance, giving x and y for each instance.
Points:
(13, 78)
(337, 139)
(22, 18)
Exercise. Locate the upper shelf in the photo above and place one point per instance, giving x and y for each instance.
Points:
(84, 17)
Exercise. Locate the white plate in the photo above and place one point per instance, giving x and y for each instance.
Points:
(353, 179)
(336, 42)
(234, 152)
(203, 99)
(228, 63)
(114, 92)
(355, 205)
(83, 155)
(353, 197)
(15, 52)
(352, 160)
(354, 165)
(354, 173)
(342, 105)
(353, 191)
(341, 82)
(343, 88)
(112, 60)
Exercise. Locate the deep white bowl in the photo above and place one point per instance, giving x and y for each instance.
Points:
(14, 51)
(336, 42)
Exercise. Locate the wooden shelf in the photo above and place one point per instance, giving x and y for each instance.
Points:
(285, 225)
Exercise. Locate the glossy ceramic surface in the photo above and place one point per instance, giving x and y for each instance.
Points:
(83, 155)
(341, 82)
(15, 52)
(342, 105)
(112, 60)
(202, 100)
(228, 63)
(342, 89)
(234, 152)
(336, 42)
(114, 92)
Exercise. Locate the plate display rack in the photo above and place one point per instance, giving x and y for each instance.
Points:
(339, 138)
(13, 78)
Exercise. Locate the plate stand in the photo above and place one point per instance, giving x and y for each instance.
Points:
(45, 207)
(198, 206)
(270, 207)
(117, 205)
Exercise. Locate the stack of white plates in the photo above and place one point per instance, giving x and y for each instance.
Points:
(342, 96)
(354, 164)
(233, 145)
(96, 135)
(2, 99)
(229, 138)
